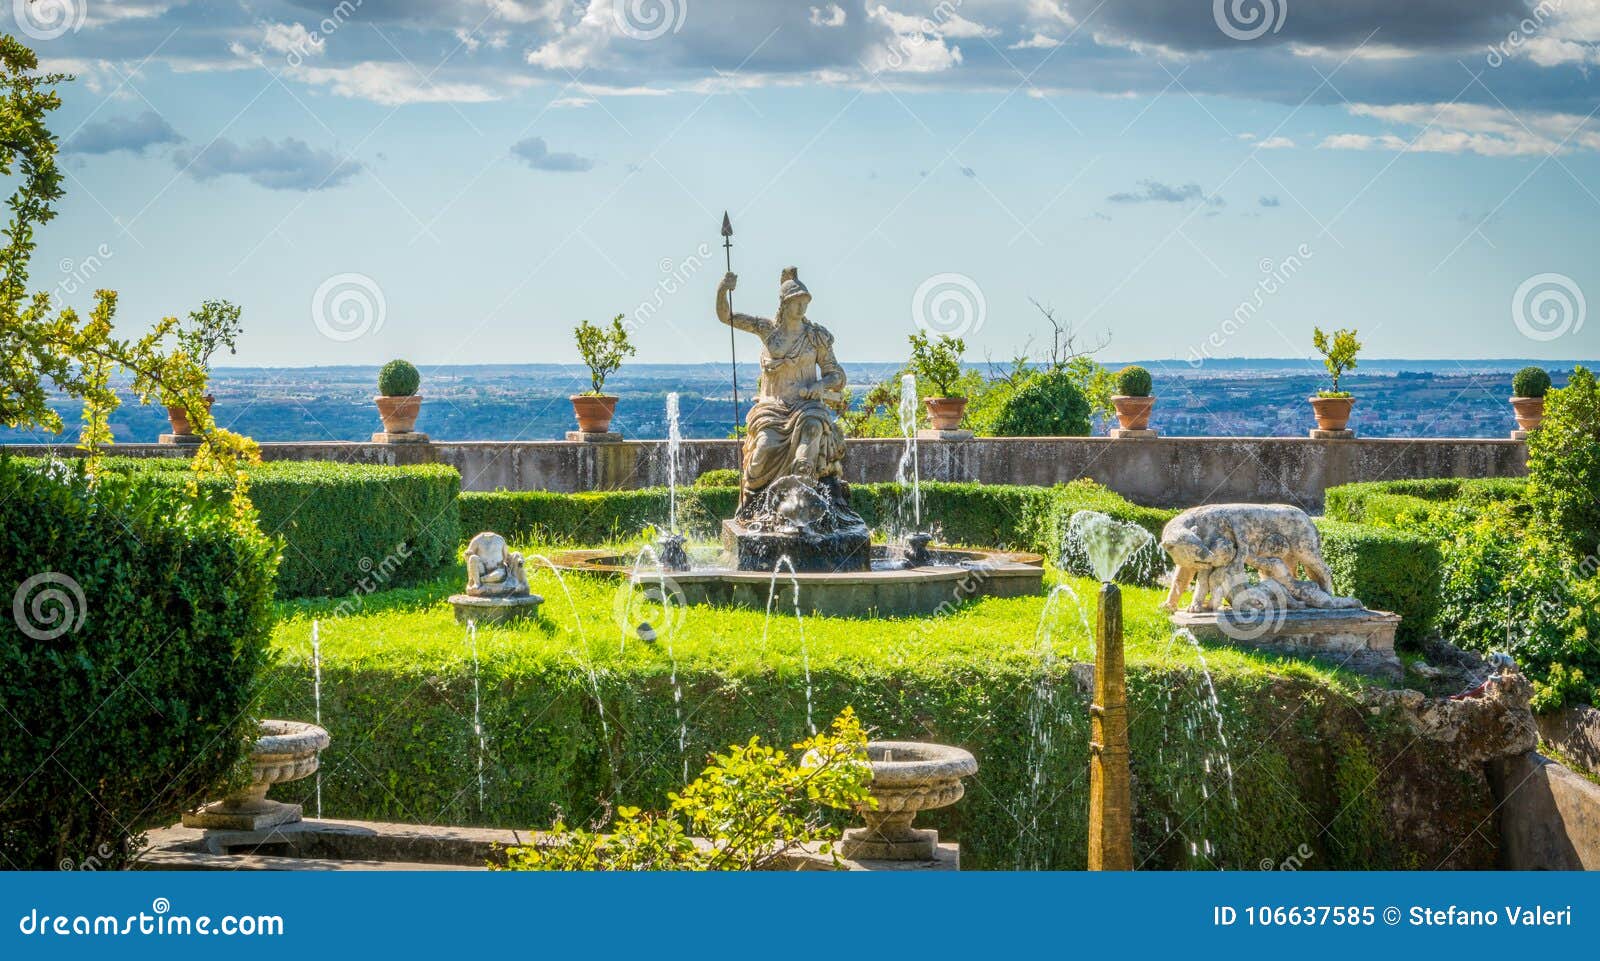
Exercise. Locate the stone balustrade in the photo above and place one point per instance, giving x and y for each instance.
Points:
(1161, 471)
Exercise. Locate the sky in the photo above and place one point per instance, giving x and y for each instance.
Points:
(463, 182)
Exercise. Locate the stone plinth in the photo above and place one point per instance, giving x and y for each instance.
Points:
(406, 437)
(1315, 434)
(1120, 433)
(844, 551)
(1357, 639)
(593, 437)
(494, 610)
(179, 439)
(217, 817)
(1519, 435)
(928, 433)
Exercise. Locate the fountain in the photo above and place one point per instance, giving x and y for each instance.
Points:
(907, 777)
(497, 586)
(669, 547)
(286, 751)
(795, 504)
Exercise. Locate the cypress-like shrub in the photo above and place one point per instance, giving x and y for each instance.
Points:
(1564, 466)
(129, 668)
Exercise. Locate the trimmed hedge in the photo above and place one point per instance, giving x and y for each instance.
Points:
(345, 527)
(1389, 570)
(1408, 502)
(141, 709)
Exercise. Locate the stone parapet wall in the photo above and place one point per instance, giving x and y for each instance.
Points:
(1160, 472)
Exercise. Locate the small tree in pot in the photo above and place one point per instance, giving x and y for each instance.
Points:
(603, 350)
(1332, 407)
(214, 326)
(936, 362)
(1528, 387)
(397, 400)
(1132, 399)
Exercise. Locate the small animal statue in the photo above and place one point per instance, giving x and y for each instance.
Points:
(1213, 546)
(492, 570)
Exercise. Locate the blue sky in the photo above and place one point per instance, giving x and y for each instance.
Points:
(462, 182)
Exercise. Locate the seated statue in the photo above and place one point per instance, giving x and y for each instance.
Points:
(792, 429)
(492, 570)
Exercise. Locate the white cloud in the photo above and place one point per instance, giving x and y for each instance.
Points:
(1276, 143)
(393, 84)
(1470, 128)
(1036, 42)
(830, 16)
(291, 39)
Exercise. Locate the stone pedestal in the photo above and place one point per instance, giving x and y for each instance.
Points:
(1331, 434)
(407, 437)
(1358, 639)
(182, 440)
(845, 551)
(912, 844)
(221, 816)
(1519, 435)
(494, 610)
(1133, 434)
(594, 437)
(928, 433)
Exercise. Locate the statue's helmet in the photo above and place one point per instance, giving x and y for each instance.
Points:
(790, 287)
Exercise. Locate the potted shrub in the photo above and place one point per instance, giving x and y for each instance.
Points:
(1132, 400)
(214, 326)
(936, 362)
(1528, 387)
(1332, 407)
(397, 400)
(603, 350)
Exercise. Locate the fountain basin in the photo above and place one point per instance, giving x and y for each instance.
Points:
(890, 588)
(285, 751)
(907, 777)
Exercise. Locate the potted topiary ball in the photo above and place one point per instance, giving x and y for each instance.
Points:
(603, 350)
(397, 400)
(1132, 399)
(1528, 387)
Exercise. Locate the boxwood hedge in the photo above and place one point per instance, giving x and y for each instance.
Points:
(129, 669)
(1389, 570)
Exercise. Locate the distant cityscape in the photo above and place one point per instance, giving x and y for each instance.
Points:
(1396, 398)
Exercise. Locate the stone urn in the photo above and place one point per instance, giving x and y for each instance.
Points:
(286, 751)
(1529, 412)
(399, 414)
(1332, 413)
(907, 777)
(594, 412)
(1133, 413)
(945, 413)
(178, 417)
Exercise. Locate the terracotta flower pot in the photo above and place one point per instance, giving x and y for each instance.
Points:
(1529, 412)
(399, 413)
(1332, 413)
(179, 417)
(945, 413)
(594, 412)
(1133, 413)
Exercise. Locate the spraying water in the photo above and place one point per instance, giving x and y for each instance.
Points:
(1046, 720)
(316, 697)
(586, 664)
(800, 625)
(674, 448)
(477, 708)
(670, 621)
(1107, 542)
(909, 472)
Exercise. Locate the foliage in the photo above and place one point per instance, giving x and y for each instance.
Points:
(1338, 355)
(1045, 404)
(754, 805)
(1564, 466)
(569, 714)
(346, 529)
(41, 349)
(1134, 382)
(1409, 503)
(141, 710)
(399, 378)
(1530, 382)
(937, 360)
(720, 477)
(603, 350)
(1389, 570)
